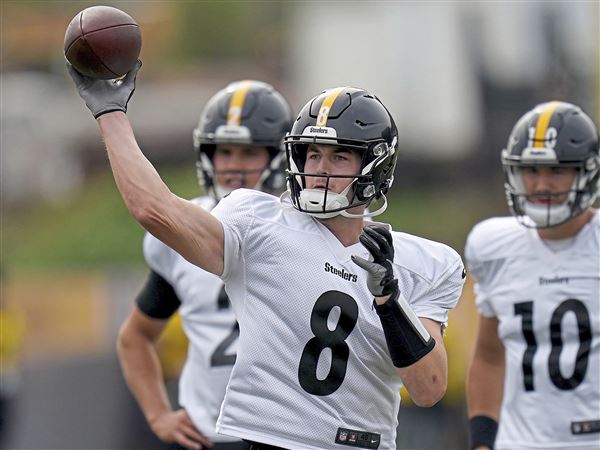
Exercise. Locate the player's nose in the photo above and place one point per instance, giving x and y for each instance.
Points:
(234, 162)
(324, 166)
(543, 183)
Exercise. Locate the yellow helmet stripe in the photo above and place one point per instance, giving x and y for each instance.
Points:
(542, 124)
(236, 105)
(326, 105)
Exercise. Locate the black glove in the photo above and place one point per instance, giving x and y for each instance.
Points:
(406, 337)
(104, 96)
(377, 239)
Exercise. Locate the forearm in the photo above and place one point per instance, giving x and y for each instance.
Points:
(484, 397)
(183, 226)
(485, 386)
(143, 374)
(138, 182)
(427, 379)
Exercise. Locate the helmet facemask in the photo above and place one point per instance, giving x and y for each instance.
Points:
(249, 113)
(355, 120)
(554, 134)
(271, 177)
(370, 184)
(578, 198)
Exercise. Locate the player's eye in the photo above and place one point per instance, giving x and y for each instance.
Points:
(530, 170)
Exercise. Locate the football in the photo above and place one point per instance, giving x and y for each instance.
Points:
(103, 42)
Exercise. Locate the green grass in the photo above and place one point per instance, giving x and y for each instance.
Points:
(92, 229)
(441, 214)
(84, 230)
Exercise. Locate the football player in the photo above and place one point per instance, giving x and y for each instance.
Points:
(238, 143)
(334, 315)
(534, 377)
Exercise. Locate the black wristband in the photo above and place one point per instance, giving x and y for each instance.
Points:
(405, 342)
(482, 432)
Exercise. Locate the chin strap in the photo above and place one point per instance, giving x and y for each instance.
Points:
(366, 212)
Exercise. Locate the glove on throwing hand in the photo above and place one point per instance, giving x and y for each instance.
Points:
(377, 239)
(104, 96)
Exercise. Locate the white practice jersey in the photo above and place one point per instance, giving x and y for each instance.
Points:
(548, 307)
(210, 325)
(313, 369)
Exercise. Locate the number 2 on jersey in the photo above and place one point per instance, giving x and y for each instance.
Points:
(525, 309)
(220, 357)
(325, 338)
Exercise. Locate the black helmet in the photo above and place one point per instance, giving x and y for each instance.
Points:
(244, 112)
(351, 118)
(553, 134)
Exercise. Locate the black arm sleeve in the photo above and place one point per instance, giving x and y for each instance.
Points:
(157, 298)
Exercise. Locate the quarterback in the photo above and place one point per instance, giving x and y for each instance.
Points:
(534, 381)
(232, 151)
(322, 353)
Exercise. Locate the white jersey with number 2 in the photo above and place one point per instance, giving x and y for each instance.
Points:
(209, 324)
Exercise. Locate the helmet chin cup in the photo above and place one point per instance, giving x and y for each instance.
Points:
(545, 216)
(314, 202)
(221, 191)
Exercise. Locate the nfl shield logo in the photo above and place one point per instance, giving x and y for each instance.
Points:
(343, 436)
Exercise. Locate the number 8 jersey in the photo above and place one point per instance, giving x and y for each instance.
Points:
(547, 302)
(313, 370)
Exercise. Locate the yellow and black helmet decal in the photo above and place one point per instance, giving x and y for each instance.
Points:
(540, 135)
(329, 98)
(236, 104)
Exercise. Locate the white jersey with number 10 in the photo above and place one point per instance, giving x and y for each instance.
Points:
(547, 303)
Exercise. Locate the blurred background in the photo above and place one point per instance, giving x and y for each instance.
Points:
(455, 75)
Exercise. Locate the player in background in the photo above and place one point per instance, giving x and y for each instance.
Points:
(534, 374)
(324, 345)
(238, 143)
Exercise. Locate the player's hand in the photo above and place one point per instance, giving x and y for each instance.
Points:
(377, 239)
(104, 96)
(176, 426)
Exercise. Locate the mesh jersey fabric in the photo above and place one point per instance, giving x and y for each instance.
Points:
(210, 325)
(553, 298)
(312, 355)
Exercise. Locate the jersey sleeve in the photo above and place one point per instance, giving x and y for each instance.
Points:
(442, 295)
(157, 299)
(430, 275)
(236, 214)
(159, 256)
